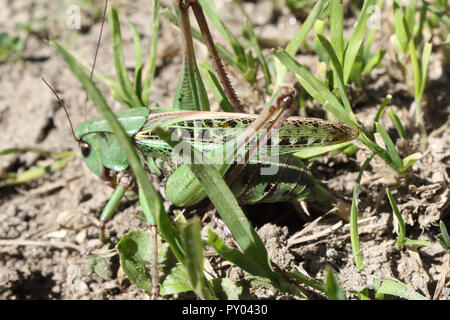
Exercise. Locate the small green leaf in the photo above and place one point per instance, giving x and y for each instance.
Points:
(225, 289)
(393, 153)
(99, 265)
(332, 286)
(175, 281)
(411, 159)
(400, 290)
(136, 258)
(444, 238)
(397, 123)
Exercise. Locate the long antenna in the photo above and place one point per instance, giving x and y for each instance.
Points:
(64, 106)
(96, 53)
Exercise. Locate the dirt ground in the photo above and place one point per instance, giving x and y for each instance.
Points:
(45, 220)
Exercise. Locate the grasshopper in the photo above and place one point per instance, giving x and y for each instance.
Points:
(209, 132)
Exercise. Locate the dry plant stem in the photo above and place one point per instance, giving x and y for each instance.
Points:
(23, 242)
(421, 126)
(441, 283)
(216, 61)
(186, 39)
(155, 271)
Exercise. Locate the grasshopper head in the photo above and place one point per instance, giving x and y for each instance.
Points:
(99, 147)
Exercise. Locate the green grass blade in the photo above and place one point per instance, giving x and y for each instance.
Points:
(401, 224)
(226, 205)
(354, 237)
(137, 58)
(424, 63)
(354, 44)
(153, 54)
(332, 286)
(235, 256)
(13, 179)
(392, 151)
(382, 106)
(301, 34)
(318, 90)
(374, 61)
(400, 290)
(255, 45)
(119, 61)
(214, 86)
(400, 27)
(337, 28)
(397, 123)
(338, 71)
(298, 40)
(313, 283)
(444, 237)
(402, 240)
(192, 243)
(165, 226)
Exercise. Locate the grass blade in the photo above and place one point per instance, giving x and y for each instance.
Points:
(397, 123)
(392, 151)
(354, 44)
(318, 90)
(332, 286)
(400, 290)
(214, 86)
(357, 255)
(297, 41)
(227, 206)
(119, 61)
(154, 200)
(152, 56)
(192, 243)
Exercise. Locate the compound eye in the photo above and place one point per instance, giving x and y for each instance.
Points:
(85, 149)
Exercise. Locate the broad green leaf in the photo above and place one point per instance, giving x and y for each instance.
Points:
(175, 281)
(136, 258)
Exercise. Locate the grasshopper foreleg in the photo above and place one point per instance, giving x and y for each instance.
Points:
(125, 181)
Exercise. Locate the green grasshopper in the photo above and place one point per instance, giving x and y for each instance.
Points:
(104, 157)
(217, 135)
